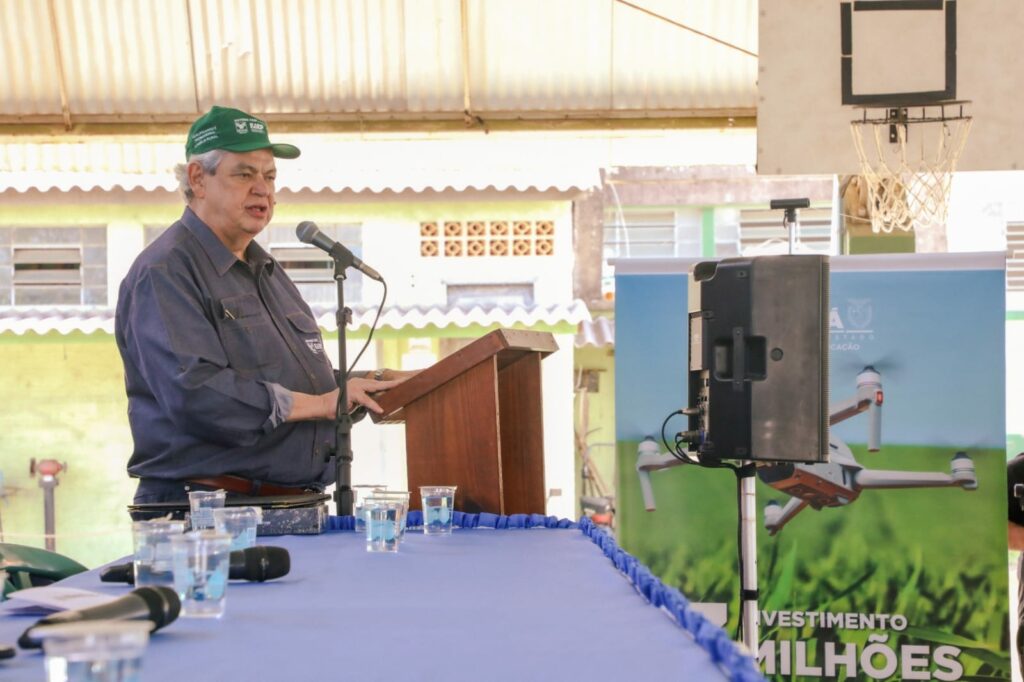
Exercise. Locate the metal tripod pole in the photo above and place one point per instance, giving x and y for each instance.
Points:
(48, 483)
(748, 557)
(792, 223)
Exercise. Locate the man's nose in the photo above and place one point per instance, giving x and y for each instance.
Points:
(261, 186)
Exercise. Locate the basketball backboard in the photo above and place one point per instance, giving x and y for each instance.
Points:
(823, 61)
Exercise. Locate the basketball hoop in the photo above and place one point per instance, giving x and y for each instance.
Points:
(907, 157)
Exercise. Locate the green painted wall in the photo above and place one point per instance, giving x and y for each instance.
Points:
(600, 420)
(64, 399)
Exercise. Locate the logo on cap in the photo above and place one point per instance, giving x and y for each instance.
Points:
(245, 125)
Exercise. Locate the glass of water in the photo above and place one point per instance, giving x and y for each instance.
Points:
(382, 517)
(240, 523)
(201, 504)
(152, 559)
(359, 494)
(201, 561)
(402, 497)
(438, 508)
(94, 650)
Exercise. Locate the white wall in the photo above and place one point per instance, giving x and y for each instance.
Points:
(1015, 377)
(559, 452)
(125, 240)
(980, 205)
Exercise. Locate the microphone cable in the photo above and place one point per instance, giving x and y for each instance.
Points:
(373, 327)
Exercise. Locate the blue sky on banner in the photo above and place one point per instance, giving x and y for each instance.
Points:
(936, 337)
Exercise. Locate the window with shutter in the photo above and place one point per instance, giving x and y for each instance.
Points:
(47, 275)
(1015, 257)
(652, 233)
(762, 231)
(310, 268)
(53, 266)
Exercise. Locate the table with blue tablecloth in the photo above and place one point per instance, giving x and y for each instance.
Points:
(488, 603)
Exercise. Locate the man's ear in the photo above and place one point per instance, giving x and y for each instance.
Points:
(196, 178)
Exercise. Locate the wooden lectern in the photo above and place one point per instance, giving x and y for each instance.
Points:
(474, 420)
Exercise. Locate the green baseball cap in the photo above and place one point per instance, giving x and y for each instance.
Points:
(234, 131)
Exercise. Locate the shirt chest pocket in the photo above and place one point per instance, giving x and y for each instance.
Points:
(306, 328)
(245, 330)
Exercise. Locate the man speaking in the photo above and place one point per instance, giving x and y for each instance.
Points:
(227, 379)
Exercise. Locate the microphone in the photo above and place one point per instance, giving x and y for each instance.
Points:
(255, 564)
(309, 233)
(160, 605)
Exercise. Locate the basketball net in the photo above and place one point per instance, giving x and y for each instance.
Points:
(908, 186)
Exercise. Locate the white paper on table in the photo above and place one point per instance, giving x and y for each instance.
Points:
(52, 598)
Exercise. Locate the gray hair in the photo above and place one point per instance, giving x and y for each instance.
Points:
(209, 162)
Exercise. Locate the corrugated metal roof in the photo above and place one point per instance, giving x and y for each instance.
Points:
(326, 164)
(420, 317)
(147, 61)
(598, 332)
(61, 319)
(67, 319)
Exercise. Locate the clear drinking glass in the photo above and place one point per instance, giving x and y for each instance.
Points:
(240, 523)
(438, 508)
(201, 561)
(94, 650)
(360, 493)
(382, 519)
(152, 559)
(200, 505)
(402, 497)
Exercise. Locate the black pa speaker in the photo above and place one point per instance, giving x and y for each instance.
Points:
(758, 372)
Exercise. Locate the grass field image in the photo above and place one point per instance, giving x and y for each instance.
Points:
(897, 584)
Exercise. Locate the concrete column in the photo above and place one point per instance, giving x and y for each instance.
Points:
(125, 240)
(588, 240)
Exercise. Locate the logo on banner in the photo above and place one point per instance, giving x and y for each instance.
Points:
(850, 325)
(858, 312)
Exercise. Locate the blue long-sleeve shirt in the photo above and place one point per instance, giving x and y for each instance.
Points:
(212, 347)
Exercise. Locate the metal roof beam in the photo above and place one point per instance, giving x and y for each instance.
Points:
(65, 107)
(86, 125)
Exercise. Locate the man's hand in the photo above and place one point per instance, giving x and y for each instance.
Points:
(360, 392)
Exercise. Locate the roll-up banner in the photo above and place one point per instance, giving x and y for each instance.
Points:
(888, 562)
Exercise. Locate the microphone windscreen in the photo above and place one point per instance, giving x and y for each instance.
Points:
(306, 231)
(266, 563)
(118, 573)
(163, 603)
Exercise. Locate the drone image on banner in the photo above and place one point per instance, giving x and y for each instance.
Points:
(840, 481)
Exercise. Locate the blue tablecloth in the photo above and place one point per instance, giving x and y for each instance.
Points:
(483, 604)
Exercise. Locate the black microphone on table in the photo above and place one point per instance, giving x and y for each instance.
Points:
(255, 564)
(309, 233)
(159, 605)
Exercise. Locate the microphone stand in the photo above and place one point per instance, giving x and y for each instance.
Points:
(343, 420)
